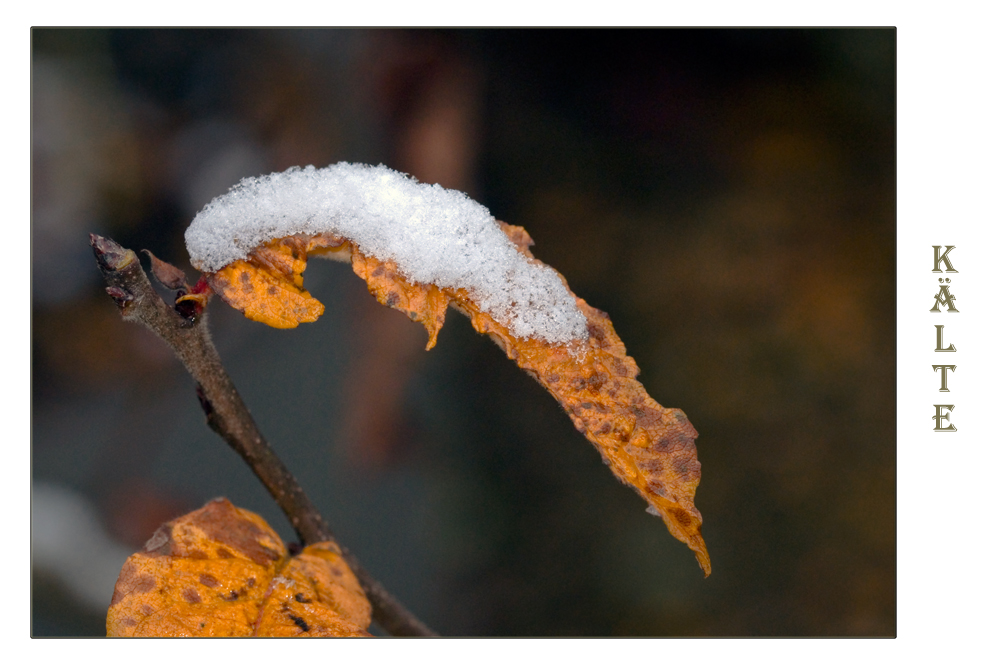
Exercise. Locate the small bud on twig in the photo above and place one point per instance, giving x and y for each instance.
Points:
(121, 297)
(110, 255)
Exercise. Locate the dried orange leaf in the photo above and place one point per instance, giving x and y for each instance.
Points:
(267, 286)
(263, 297)
(221, 571)
(647, 446)
(421, 303)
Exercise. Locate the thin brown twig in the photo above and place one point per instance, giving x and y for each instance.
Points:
(228, 416)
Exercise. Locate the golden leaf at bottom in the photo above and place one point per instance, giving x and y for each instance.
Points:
(221, 571)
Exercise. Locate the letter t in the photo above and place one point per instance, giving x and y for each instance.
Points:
(944, 375)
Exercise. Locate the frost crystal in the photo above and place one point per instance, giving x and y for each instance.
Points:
(434, 235)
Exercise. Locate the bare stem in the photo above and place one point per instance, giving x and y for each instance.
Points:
(228, 416)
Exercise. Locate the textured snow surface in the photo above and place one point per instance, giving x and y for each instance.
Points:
(433, 234)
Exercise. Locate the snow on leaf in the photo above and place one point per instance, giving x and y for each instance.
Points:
(421, 248)
(432, 235)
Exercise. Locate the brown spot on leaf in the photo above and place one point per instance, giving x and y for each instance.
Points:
(647, 418)
(666, 445)
(128, 572)
(681, 517)
(657, 487)
(596, 331)
(299, 621)
(686, 468)
(653, 467)
(191, 595)
(144, 583)
(222, 523)
(208, 580)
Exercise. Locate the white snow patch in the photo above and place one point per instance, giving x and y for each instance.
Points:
(434, 235)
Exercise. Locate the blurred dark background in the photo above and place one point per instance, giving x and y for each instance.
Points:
(727, 196)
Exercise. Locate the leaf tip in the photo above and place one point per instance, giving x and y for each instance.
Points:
(166, 273)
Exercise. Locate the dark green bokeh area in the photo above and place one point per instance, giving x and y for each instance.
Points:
(727, 196)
